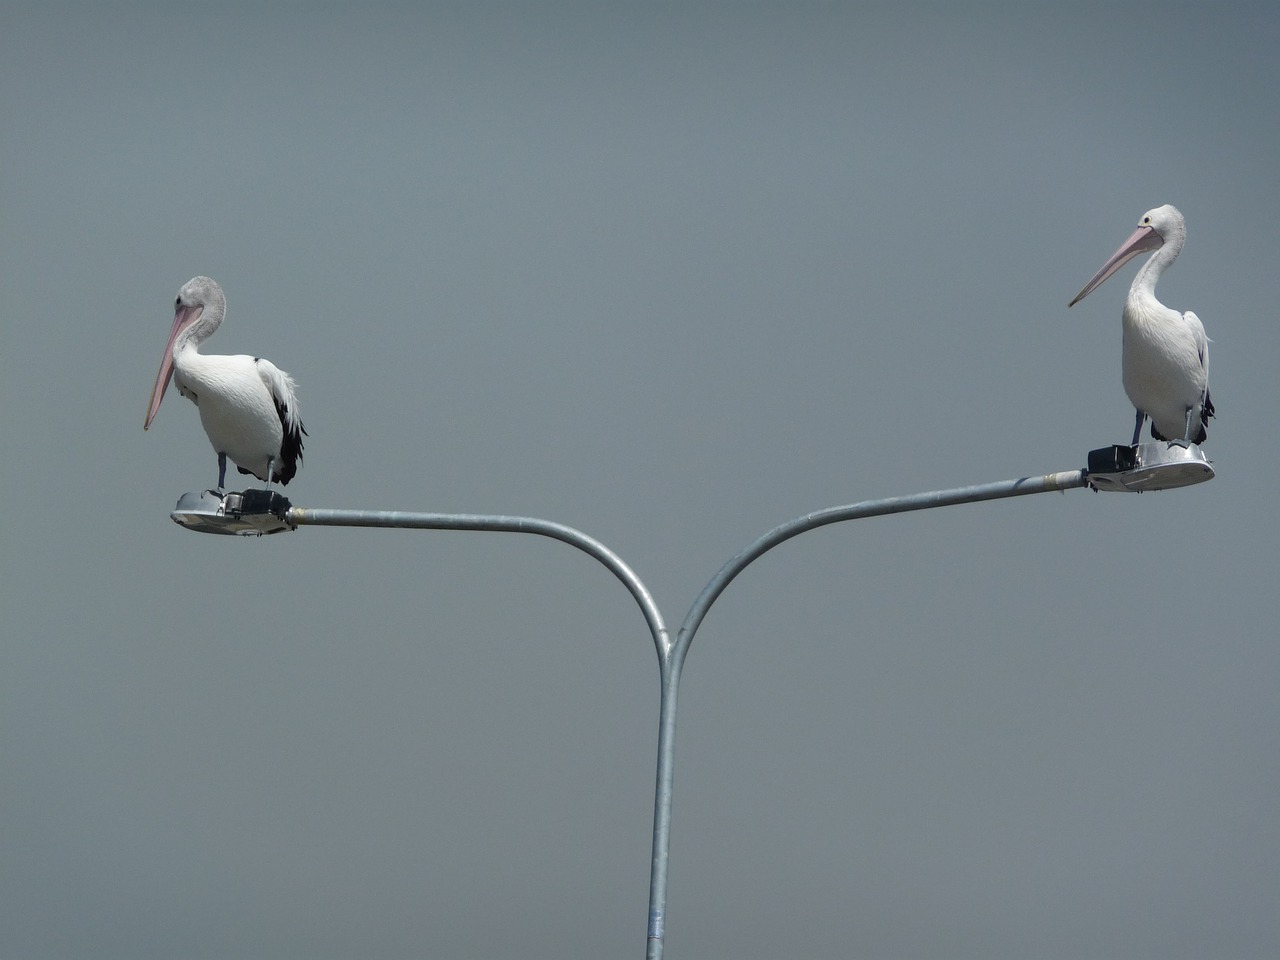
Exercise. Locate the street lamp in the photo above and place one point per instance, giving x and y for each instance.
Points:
(1137, 468)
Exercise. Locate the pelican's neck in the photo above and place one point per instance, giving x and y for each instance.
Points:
(1143, 288)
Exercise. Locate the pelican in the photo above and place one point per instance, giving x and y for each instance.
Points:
(1165, 353)
(247, 404)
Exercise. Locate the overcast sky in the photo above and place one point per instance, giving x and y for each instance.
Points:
(671, 274)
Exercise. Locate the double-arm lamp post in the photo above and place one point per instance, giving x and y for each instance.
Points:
(1152, 466)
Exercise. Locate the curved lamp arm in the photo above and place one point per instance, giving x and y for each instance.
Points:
(299, 516)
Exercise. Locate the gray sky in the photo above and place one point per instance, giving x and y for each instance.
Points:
(670, 274)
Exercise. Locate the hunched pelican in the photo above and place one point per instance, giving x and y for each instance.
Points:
(247, 405)
(1165, 353)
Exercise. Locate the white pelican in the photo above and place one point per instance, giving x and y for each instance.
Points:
(247, 404)
(1166, 354)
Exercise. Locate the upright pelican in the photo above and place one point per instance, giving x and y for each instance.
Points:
(1166, 354)
(247, 404)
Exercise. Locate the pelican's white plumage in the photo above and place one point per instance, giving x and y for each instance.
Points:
(1165, 353)
(248, 406)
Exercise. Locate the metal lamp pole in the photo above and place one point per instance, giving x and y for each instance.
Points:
(255, 512)
(673, 662)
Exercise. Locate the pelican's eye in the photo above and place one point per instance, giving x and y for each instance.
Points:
(1146, 219)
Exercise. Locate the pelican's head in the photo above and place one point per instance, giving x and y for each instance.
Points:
(1166, 221)
(1156, 228)
(201, 297)
(197, 311)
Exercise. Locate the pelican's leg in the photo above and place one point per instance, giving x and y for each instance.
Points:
(222, 470)
(271, 462)
(1137, 427)
(1186, 437)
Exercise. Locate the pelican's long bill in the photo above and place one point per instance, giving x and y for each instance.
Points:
(183, 317)
(1142, 240)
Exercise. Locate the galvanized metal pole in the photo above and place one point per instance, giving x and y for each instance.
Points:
(668, 664)
(671, 655)
(672, 666)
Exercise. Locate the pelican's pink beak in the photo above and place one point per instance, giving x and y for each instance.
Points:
(183, 317)
(1143, 239)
